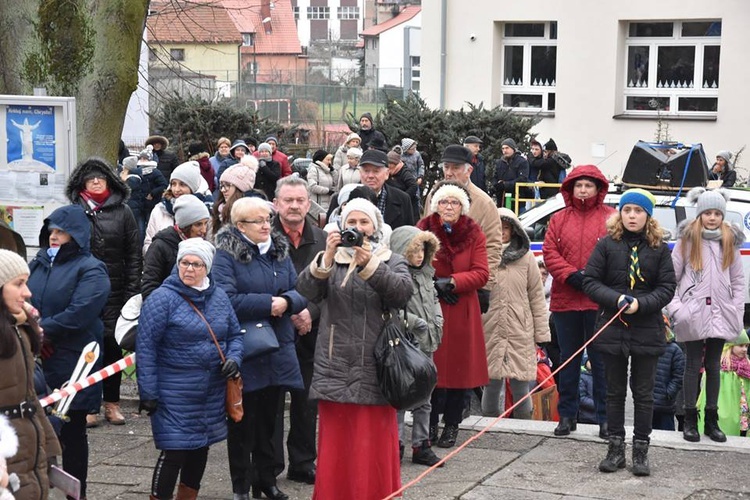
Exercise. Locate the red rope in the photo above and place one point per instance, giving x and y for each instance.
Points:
(504, 414)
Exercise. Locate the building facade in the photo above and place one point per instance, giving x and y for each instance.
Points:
(393, 50)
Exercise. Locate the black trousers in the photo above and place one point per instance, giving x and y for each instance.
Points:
(111, 385)
(75, 447)
(188, 464)
(449, 402)
(642, 376)
(303, 417)
(249, 441)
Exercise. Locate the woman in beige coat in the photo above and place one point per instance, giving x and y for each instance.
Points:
(517, 321)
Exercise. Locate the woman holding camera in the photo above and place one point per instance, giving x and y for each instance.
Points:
(358, 455)
(254, 268)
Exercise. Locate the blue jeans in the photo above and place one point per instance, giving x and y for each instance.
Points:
(574, 328)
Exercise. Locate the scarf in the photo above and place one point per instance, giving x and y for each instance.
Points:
(94, 200)
(711, 234)
(634, 269)
(263, 246)
(203, 286)
(741, 366)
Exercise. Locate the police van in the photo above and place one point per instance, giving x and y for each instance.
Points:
(670, 210)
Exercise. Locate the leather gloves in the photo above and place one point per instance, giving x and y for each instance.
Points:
(576, 280)
(484, 300)
(148, 405)
(444, 289)
(230, 369)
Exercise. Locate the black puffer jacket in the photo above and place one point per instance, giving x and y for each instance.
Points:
(269, 172)
(606, 279)
(669, 374)
(115, 239)
(159, 260)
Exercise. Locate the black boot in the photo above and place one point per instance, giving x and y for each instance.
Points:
(615, 458)
(712, 429)
(690, 432)
(400, 451)
(433, 433)
(640, 458)
(424, 455)
(448, 437)
(565, 426)
(603, 431)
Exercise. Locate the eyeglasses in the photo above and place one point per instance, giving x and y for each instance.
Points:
(257, 222)
(195, 265)
(225, 185)
(96, 177)
(452, 203)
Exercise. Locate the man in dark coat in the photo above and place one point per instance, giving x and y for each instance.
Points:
(368, 133)
(115, 240)
(509, 170)
(478, 176)
(166, 160)
(404, 179)
(292, 202)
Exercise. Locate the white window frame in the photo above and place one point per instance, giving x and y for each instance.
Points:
(526, 86)
(248, 39)
(174, 52)
(347, 12)
(651, 88)
(315, 12)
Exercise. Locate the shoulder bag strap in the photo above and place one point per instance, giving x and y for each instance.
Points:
(210, 330)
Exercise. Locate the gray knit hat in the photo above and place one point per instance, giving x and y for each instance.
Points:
(264, 146)
(704, 199)
(188, 210)
(510, 143)
(189, 173)
(198, 247)
(727, 155)
(406, 143)
(130, 163)
(12, 265)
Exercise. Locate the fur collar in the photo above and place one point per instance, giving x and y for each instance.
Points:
(684, 230)
(519, 242)
(235, 244)
(463, 235)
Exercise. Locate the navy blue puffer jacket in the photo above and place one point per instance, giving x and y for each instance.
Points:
(70, 295)
(668, 382)
(251, 280)
(179, 365)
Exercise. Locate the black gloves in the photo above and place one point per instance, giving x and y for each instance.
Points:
(444, 289)
(576, 280)
(230, 369)
(484, 300)
(148, 405)
(624, 300)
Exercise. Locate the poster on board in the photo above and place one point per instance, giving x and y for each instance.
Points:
(31, 138)
(26, 221)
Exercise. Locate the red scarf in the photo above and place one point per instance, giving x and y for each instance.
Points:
(96, 198)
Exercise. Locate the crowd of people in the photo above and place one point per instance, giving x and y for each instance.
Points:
(238, 279)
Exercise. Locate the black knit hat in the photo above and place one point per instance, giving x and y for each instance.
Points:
(550, 145)
(320, 155)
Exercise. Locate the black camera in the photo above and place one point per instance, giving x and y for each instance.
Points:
(350, 237)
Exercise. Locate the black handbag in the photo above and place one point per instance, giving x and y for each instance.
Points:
(259, 338)
(406, 375)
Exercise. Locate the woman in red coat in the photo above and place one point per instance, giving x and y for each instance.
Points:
(460, 270)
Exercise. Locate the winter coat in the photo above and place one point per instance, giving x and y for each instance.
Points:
(728, 177)
(461, 359)
(548, 171)
(571, 236)
(339, 158)
(268, 173)
(251, 280)
(642, 333)
(137, 199)
(179, 365)
(586, 405)
(348, 175)
(711, 303)
(414, 162)
(283, 160)
(478, 175)
(406, 181)
(423, 304)
(669, 372)
(115, 237)
(367, 136)
(351, 320)
(216, 161)
(162, 217)
(517, 319)
(166, 162)
(159, 260)
(732, 384)
(70, 294)
(509, 172)
(322, 183)
(36, 437)
(154, 184)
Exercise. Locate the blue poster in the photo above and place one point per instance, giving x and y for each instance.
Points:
(31, 138)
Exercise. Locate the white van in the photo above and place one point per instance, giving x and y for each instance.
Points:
(536, 220)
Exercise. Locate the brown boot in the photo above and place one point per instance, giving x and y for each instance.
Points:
(186, 493)
(112, 414)
(92, 420)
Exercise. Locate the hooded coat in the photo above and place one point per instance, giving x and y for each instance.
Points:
(694, 317)
(70, 295)
(179, 365)
(115, 238)
(424, 303)
(571, 236)
(461, 359)
(36, 437)
(251, 280)
(322, 180)
(517, 319)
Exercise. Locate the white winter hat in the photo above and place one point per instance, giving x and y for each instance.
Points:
(450, 190)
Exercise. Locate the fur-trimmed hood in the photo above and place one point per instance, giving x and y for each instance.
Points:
(120, 191)
(406, 240)
(242, 250)
(519, 240)
(684, 230)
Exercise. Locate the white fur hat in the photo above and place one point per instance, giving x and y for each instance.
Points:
(450, 190)
(8, 438)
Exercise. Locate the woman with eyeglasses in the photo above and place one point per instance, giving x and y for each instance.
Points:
(181, 378)
(115, 240)
(234, 183)
(460, 270)
(254, 267)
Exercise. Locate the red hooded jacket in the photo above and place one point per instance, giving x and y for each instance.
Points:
(571, 237)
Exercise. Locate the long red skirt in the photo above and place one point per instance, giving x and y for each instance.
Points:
(357, 452)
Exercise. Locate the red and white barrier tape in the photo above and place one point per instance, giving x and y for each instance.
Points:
(92, 379)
